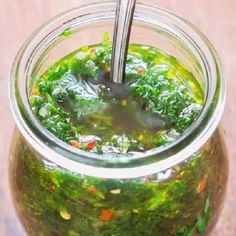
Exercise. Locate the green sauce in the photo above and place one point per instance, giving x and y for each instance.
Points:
(76, 100)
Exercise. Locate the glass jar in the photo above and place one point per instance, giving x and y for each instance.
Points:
(173, 190)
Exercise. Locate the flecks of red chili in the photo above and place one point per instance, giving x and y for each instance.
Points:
(92, 189)
(106, 215)
(202, 184)
(52, 188)
(91, 144)
(74, 143)
(140, 70)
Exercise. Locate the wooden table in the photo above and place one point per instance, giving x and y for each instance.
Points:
(216, 18)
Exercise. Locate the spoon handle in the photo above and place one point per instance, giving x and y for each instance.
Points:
(123, 22)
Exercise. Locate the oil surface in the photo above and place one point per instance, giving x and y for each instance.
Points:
(76, 100)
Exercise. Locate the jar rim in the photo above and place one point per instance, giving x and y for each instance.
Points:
(88, 163)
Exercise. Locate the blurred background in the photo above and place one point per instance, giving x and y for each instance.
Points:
(215, 18)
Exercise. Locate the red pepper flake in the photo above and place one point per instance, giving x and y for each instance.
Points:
(92, 189)
(35, 91)
(106, 215)
(90, 145)
(74, 143)
(202, 184)
(140, 70)
(52, 188)
(108, 69)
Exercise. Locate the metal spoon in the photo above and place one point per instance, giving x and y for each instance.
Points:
(123, 22)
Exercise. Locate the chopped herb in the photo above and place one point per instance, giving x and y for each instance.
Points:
(66, 33)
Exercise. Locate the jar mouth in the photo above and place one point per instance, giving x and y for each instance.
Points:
(151, 161)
